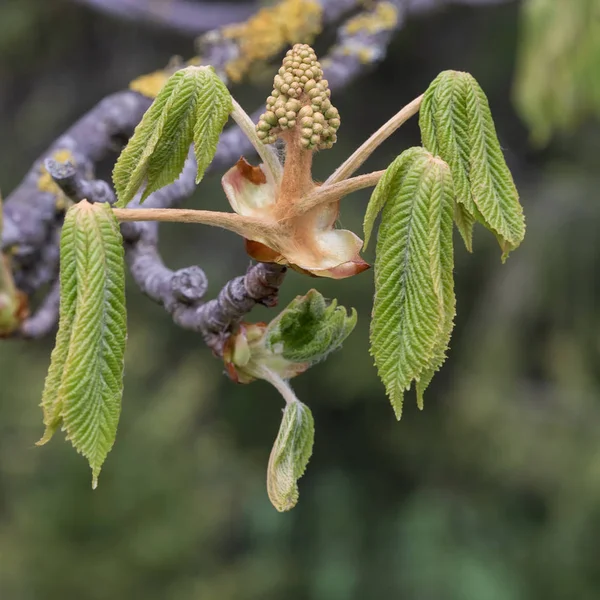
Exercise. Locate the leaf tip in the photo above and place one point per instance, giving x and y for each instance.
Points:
(397, 402)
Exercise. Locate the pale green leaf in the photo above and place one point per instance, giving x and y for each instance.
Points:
(457, 125)
(86, 395)
(464, 221)
(309, 328)
(387, 188)
(193, 106)
(492, 186)
(130, 170)
(51, 401)
(290, 455)
(442, 267)
(172, 147)
(411, 312)
(214, 106)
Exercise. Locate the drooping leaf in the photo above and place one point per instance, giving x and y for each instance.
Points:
(465, 222)
(192, 107)
(308, 329)
(131, 167)
(414, 303)
(214, 106)
(290, 455)
(86, 397)
(51, 400)
(456, 124)
(172, 147)
(387, 187)
(492, 187)
(442, 266)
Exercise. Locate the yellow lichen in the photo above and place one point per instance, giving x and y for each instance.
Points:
(269, 31)
(384, 17)
(45, 181)
(149, 85)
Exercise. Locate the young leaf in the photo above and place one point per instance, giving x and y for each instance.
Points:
(388, 187)
(51, 400)
(193, 106)
(457, 125)
(307, 330)
(413, 307)
(214, 106)
(131, 167)
(442, 266)
(290, 455)
(87, 399)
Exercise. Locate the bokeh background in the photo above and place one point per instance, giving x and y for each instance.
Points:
(491, 493)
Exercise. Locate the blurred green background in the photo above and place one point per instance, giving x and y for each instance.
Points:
(492, 493)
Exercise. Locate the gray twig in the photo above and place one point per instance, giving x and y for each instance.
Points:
(33, 213)
(43, 321)
(186, 17)
(75, 186)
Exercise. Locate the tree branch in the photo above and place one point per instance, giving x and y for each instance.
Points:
(186, 17)
(34, 211)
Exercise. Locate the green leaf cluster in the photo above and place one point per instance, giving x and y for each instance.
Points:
(557, 84)
(459, 176)
(309, 328)
(192, 107)
(84, 384)
(414, 302)
(456, 125)
(304, 333)
(290, 455)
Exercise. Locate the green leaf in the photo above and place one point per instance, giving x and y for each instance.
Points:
(442, 267)
(193, 106)
(387, 188)
(492, 186)
(456, 124)
(308, 329)
(290, 455)
(214, 106)
(51, 399)
(414, 300)
(131, 167)
(84, 389)
(464, 223)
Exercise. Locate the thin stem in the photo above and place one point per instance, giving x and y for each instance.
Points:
(280, 384)
(337, 191)
(243, 226)
(269, 158)
(358, 158)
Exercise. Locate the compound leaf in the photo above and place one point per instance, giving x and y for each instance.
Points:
(290, 455)
(51, 402)
(308, 329)
(457, 125)
(442, 266)
(131, 167)
(413, 307)
(214, 106)
(87, 395)
(192, 107)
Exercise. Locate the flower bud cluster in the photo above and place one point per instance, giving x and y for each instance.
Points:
(300, 98)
